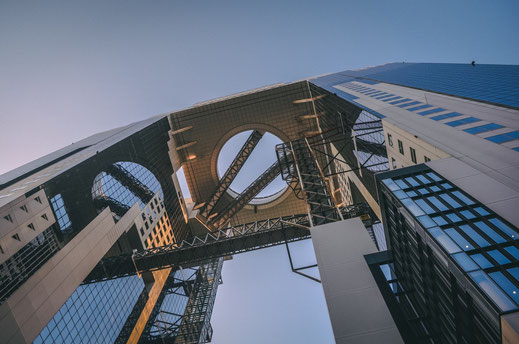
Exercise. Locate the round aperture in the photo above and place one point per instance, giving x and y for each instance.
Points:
(261, 158)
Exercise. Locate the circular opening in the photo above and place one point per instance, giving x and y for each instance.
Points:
(261, 158)
(123, 184)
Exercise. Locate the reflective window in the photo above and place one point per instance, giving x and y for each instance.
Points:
(459, 239)
(464, 261)
(481, 211)
(498, 257)
(426, 221)
(412, 207)
(443, 240)
(463, 121)
(440, 220)
(450, 201)
(490, 232)
(425, 207)
(499, 224)
(506, 285)
(483, 128)
(439, 205)
(421, 107)
(61, 213)
(471, 233)
(400, 101)
(445, 116)
(514, 251)
(482, 261)
(491, 289)
(463, 198)
(453, 217)
(408, 104)
(514, 272)
(430, 112)
(514, 135)
(467, 214)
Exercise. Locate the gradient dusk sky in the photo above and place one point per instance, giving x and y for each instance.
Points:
(69, 69)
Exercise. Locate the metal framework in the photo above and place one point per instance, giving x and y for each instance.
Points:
(130, 182)
(298, 163)
(196, 289)
(116, 207)
(245, 197)
(231, 173)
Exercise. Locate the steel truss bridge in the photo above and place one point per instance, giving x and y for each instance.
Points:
(299, 165)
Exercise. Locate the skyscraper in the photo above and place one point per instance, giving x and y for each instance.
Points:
(100, 244)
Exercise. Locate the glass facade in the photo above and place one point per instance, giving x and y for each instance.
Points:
(95, 313)
(497, 84)
(454, 230)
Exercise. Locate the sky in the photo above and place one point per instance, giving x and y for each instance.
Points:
(69, 69)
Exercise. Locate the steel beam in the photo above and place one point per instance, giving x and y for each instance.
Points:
(245, 197)
(117, 207)
(225, 242)
(124, 177)
(231, 173)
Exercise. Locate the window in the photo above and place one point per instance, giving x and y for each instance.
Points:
(413, 154)
(390, 140)
(426, 159)
(400, 147)
(393, 162)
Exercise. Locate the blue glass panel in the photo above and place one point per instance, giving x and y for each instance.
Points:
(400, 101)
(514, 135)
(462, 121)
(505, 284)
(463, 198)
(409, 104)
(401, 183)
(440, 220)
(434, 176)
(447, 115)
(443, 240)
(492, 290)
(391, 184)
(421, 107)
(471, 233)
(482, 261)
(516, 149)
(411, 193)
(446, 186)
(426, 221)
(499, 224)
(425, 207)
(437, 203)
(393, 98)
(483, 128)
(498, 257)
(423, 191)
(490, 232)
(514, 251)
(453, 217)
(467, 214)
(412, 181)
(412, 207)
(429, 112)
(423, 179)
(459, 239)
(481, 211)
(465, 262)
(386, 96)
(400, 194)
(450, 200)
(435, 188)
(514, 272)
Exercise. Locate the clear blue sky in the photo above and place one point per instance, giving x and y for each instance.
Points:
(69, 69)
